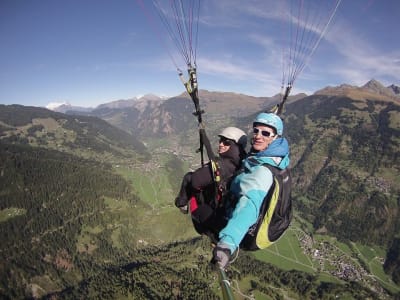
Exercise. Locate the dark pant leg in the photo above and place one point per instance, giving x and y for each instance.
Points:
(185, 191)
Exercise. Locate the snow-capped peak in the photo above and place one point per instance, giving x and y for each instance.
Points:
(55, 105)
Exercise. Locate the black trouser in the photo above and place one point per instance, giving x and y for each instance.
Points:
(209, 221)
(185, 190)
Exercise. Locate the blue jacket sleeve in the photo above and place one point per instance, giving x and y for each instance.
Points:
(250, 188)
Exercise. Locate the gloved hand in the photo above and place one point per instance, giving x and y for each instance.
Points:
(181, 204)
(221, 255)
(184, 209)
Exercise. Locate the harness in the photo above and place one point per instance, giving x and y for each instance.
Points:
(207, 208)
(215, 197)
(219, 188)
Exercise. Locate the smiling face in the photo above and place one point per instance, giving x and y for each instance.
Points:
(224, 144)
(262, 136)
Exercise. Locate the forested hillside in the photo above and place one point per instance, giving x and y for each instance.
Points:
(63, 207)
(80, 135)
(54, 219)
(182, 271)
(346, 164)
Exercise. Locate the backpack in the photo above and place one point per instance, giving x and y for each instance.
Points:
(275, 213)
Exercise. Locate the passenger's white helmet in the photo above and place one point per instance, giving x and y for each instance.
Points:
(235, 134)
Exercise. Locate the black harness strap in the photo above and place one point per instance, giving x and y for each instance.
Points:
(192, 88)
(278, 109)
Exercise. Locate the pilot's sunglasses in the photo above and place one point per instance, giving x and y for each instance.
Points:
(263, 132)
(225, 141)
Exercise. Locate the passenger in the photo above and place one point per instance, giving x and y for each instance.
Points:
(203, 189)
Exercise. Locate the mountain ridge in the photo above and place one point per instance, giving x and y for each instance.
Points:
(372, 89)
(162, 117)
(372, 86)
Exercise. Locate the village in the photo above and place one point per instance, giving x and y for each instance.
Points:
(330, 259)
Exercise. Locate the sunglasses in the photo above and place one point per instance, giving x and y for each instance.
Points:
(225, 141)
(263, 132)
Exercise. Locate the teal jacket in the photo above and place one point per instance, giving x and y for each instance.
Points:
(250, 187)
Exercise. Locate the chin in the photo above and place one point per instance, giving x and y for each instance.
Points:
(258, 147)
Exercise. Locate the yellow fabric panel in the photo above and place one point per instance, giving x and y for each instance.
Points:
(262, 240)
(215, 167)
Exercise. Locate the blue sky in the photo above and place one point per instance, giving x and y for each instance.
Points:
(88, 52)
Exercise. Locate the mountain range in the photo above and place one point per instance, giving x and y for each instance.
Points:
(373, 86)
(93, 191)
(154, 116)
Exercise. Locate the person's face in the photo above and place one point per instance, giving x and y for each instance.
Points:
(224, 144)
(262, 137)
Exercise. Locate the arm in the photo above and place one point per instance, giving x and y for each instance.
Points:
(251, 188)
(202, 177)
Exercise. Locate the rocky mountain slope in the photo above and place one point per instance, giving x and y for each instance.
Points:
(150, 116)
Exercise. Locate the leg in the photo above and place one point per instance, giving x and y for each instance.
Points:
(185, 191)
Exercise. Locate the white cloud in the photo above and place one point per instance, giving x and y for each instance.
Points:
(233, 70)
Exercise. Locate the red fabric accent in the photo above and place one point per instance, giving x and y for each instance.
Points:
(193, 204)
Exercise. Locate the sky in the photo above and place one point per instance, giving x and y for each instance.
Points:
(89, 52)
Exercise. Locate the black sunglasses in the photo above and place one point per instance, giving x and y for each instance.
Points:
(225, 141)
(263, 132)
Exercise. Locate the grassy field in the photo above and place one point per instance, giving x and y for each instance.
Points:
(287, 253)
(11, 212)
(328, 258)
(159, 220)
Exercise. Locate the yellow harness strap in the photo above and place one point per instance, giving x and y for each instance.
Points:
(216, 173)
